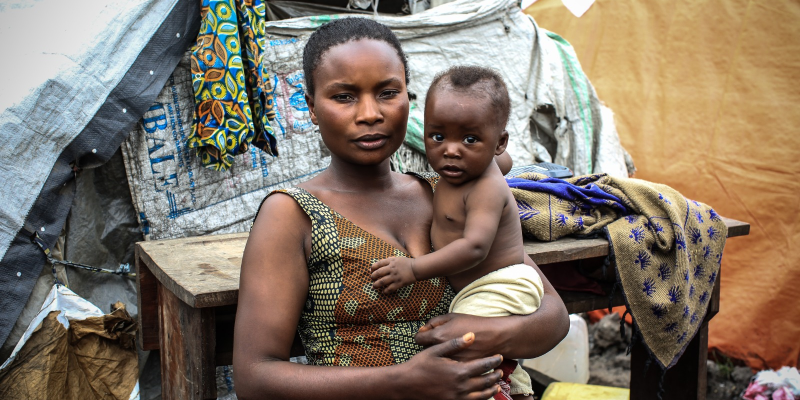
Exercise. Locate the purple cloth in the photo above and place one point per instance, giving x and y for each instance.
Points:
(590, 194)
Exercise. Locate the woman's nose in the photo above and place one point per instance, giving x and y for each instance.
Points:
(369, 111)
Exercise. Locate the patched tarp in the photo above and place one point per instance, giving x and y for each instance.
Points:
(82, 79)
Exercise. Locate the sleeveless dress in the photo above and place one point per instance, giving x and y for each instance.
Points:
(346, 322)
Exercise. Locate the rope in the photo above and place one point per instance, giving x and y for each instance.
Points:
(123, 270)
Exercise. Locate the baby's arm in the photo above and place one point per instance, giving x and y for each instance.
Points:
(484, 208)
(504, 161)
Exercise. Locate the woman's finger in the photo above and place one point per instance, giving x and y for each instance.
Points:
(453, 346)
(481, 365)
(485, 393)
(484, 386)
(433, 323)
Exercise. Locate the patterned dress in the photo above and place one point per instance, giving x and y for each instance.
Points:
(345, 321)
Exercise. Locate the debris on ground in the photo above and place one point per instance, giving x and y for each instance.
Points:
(783, 384)
(609, 365)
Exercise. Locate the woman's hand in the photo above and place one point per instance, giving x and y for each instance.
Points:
(515, 336)
(433, 373)
(443, 328)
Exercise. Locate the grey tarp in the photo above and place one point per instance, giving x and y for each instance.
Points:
(68, 122)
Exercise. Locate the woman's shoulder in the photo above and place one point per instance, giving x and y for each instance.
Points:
(293, 201)
(431, 178)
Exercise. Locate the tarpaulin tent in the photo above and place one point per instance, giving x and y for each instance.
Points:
(80, 82)
(705, 96)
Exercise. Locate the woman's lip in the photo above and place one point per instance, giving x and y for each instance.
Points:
(370, 142)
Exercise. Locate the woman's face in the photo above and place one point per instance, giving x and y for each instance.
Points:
(360, 101)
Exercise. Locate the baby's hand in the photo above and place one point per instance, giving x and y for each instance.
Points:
(392, 273)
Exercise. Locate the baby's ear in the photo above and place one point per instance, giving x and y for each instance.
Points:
(502, 143)
(310, 103)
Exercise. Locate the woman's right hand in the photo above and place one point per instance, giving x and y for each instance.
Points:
(438, 376)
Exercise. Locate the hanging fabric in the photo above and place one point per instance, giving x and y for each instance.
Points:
(232, 107)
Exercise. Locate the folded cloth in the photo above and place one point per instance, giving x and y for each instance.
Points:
(513, 290)
(667, 249)
(232, 105)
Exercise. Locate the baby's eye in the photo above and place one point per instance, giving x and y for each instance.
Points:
(436, 137)
(470, 140)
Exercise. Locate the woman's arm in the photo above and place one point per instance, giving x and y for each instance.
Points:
(516, 336)
(273, 289)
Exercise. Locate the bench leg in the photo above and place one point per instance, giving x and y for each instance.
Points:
(187, 342)
(147, 300)
(684, 381)
(688, 378)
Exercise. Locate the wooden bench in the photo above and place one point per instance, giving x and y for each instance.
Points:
(188, 289)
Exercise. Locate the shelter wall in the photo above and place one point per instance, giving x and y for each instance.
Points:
(705, 97)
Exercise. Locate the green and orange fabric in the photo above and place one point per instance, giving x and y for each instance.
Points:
(232, 106)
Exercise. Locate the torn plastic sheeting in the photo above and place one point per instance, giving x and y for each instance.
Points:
(71, 350)
(539, 67)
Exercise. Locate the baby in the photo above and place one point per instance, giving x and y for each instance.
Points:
(476, 231)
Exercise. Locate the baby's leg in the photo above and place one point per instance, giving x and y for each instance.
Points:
(514, 290)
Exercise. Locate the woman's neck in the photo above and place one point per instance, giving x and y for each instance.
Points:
(346, 177)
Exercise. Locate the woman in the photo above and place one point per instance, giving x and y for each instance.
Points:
(306, 263)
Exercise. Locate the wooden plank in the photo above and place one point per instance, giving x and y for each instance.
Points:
(188, 345)
(736, 228)
(687, 379)
(681, 382)
(570, 249)
(565, 249)
(578, 302)
(147, 303)
(201, 271)
(204, 271)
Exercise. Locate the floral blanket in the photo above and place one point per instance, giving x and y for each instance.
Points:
(667, 249)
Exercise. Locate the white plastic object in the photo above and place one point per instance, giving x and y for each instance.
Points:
(569, 360)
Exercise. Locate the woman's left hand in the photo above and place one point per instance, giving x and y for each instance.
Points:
(449, 326)
(514, 336)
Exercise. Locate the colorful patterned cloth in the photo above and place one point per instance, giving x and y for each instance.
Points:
(345, 321)
(667, 249)
(233, 107)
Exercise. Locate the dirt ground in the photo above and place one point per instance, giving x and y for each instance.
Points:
(610, 366)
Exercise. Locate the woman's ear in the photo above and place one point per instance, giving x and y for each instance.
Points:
(310, 103)
(502, 143)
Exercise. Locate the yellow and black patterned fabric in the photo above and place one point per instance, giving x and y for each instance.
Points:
(345, 321)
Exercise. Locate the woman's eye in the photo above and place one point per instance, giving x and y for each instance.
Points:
(437, 137)
(387, 94)
(343, 97)
(470, 140)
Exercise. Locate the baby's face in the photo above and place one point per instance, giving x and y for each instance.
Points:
(462, 135)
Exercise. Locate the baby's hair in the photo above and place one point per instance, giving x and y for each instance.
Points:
(466, 77)
(341, 31)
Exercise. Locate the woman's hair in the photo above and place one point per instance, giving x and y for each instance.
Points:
(341, 31)
(466, 77)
